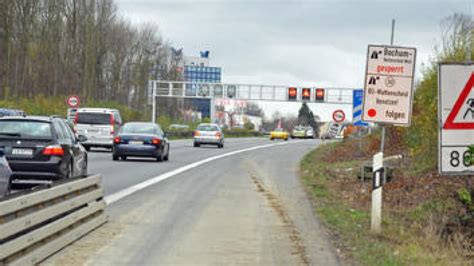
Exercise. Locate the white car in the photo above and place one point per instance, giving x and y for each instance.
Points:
(310, 133)
(208, 134)
(99, 125)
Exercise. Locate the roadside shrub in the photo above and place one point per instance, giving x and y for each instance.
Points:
(249, 126)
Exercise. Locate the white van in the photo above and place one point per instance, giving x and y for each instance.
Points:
(99, 125)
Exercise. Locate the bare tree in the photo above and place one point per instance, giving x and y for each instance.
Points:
(253, 109)
(59, 47)
(457, 37)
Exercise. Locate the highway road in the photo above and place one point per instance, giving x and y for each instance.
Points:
(243, 204)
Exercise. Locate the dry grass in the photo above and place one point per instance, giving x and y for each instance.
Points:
(423, 216)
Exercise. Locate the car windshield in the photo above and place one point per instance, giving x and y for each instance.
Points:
(138, 128)
(299, 128)
(207, 128)
(93, 118)
(279, 130)
(25, 129)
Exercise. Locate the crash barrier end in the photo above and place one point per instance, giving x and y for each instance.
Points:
(36, 225)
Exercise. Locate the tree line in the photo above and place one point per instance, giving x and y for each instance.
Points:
(84, 47)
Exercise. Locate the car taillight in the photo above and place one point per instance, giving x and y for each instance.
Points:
(112, 123)
(218, 135)
(54, 150)
(156, 141)
(197, 133)
(117, 140)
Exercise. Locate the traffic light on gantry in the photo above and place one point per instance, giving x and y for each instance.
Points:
(320, 95)
(306, 94)
(292, 93)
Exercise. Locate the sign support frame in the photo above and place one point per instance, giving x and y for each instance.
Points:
(377, 186)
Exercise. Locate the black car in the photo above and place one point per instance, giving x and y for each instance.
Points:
(141, 139)
(41, 148)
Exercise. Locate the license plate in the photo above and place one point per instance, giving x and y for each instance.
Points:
(22, 152)
(134, 142)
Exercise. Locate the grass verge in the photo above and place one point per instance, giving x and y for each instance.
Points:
(412, 233)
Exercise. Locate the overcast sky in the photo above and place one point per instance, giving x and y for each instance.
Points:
(288, 42)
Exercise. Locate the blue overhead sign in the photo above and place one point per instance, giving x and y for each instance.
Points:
(357, 100)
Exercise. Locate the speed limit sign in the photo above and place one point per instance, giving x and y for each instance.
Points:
(338, 116)
(73, 101)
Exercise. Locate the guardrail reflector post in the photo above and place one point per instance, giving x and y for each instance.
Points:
(377, 183)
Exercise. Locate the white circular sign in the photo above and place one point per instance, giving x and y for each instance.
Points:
(73, 101)
(338, 116)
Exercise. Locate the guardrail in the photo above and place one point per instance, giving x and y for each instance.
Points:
(36, 225)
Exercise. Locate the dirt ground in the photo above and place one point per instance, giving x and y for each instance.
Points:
(406, 192)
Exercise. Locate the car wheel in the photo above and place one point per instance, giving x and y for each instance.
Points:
(272, 139)
(159, 158)
(197, 145)
(286, 139)
(9, 188)
(70, 171)
(167, 157)
(123, 158)
(88, 148)
(115, 157)
(84, 168)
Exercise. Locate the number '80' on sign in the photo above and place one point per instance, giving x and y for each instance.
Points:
(457, 159)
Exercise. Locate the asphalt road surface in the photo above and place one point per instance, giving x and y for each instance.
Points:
(243, 204)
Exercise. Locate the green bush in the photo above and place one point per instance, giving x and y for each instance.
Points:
(249, 126)
(465, 197)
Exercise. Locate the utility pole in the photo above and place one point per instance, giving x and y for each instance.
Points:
(153, 93)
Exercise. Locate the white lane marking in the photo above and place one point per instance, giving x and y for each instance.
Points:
(130, 190)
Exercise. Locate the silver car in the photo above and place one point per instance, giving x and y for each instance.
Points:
(208, 134)
(310, 132)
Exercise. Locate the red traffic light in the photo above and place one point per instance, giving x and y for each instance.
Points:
(306, 94)
(319, 94)
(292, 92)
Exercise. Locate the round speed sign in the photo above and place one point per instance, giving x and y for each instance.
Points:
(338, 116)
(73, 101)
